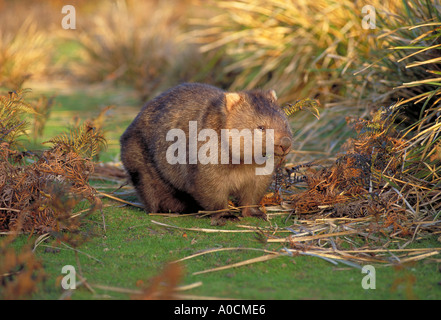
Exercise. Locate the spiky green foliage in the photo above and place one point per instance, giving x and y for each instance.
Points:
(404, 69)
(403, 65)
(300, 48)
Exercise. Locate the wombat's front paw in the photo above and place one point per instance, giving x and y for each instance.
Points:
(254, 212)
(219, 219)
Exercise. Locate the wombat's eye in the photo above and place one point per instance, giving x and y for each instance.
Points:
(261, 128)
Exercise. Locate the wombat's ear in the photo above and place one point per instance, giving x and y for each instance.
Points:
(231, 99)
(273, 95)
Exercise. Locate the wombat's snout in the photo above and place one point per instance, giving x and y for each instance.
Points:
(284, 146)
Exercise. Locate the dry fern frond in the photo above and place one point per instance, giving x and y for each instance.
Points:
(19, 273)
(40, 195)
(163, 286)
(311, 105)
(13, 110)
(85, 140)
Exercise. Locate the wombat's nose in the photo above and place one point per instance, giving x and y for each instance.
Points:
(285, 144)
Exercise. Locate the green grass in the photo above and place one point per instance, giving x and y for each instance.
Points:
(133, 248)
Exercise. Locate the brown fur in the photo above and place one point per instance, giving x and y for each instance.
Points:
(165, 187)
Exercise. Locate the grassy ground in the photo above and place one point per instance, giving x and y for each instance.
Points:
(134, 249)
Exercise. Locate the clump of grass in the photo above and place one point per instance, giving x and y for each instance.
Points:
(404, 70)
(319, 49)
(403, 65)
(130, 42)
(25, 45)
(299, 47)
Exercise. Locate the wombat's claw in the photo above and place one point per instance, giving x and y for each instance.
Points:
(254, 212)
(219, 219)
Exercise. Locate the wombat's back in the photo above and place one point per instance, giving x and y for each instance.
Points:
(174, 108)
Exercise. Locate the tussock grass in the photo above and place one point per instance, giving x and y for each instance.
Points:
(24, 52)
(299, 47)
(29, 31)
(130, 42)
(404, 70)
(404, 55)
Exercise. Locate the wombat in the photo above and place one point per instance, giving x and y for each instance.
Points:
(164, 150)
